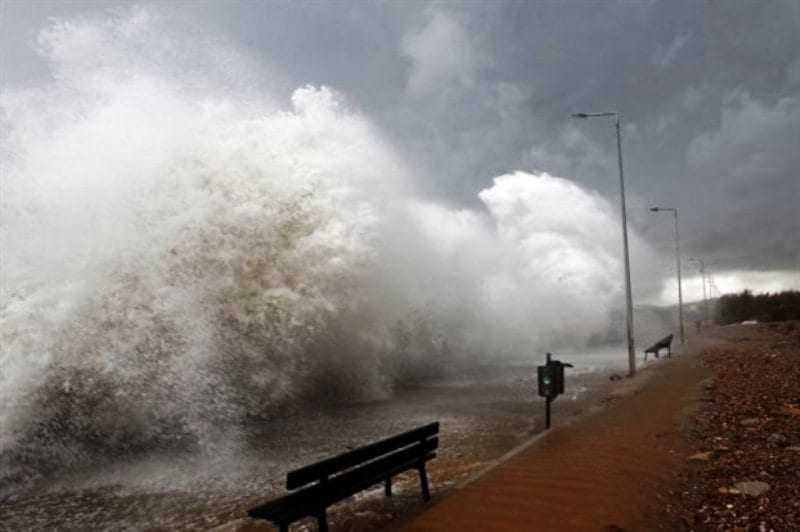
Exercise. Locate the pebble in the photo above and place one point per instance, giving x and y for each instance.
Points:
(777, 438)
(244, 523)
(701, 457)
(749, 421)
(754, 488)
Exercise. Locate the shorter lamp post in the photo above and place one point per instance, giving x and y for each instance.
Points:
(677, 265)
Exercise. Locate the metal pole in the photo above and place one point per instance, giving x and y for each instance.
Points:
(680, 289)
(703, 280)
(548, 399)
(547, 414)
(628, 296)
(705, 296)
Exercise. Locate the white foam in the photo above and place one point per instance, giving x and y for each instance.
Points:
(180, 250)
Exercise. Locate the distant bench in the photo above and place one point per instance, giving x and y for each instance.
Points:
(664, 343)
(334, 479)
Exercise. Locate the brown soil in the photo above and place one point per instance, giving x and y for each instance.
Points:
(609, 471)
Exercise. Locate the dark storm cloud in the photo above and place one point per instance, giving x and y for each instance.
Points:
(466, 91)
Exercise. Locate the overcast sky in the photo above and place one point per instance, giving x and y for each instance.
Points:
(709, 91)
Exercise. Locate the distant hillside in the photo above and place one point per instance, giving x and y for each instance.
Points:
(652, 322)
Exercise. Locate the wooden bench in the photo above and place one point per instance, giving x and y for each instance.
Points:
(664, 343)
(334, 479)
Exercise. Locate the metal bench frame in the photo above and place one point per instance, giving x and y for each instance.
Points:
(334, 479)
(664, 343)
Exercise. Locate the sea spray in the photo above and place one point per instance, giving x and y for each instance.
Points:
(183, 255)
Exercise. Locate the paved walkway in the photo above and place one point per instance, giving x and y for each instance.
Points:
(609, 471)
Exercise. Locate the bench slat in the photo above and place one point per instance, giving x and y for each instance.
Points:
(290, 507)
(307, 502)
(331, 466)
(375, 472)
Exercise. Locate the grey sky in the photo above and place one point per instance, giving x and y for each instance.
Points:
(710, 92)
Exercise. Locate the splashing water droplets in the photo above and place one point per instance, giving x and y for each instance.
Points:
(182, 255)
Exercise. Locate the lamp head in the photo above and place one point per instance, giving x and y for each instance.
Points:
(654, 209)
(579, 115)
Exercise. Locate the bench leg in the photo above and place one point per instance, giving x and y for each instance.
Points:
(322, 521)
(388, 487)
(423, 480)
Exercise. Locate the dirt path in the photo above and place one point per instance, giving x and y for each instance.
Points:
(609, 471)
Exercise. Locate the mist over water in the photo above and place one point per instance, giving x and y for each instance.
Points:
(183, 253)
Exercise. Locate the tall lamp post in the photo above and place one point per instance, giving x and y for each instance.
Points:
(677, 264)
(628, 297)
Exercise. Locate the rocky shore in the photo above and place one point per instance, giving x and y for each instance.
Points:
(744, 471)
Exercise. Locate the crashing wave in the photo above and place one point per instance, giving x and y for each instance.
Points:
(181, 255)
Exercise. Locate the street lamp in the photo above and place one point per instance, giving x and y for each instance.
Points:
(628, 296)
(677, 263)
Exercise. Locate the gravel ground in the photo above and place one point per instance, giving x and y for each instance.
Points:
(744, 471)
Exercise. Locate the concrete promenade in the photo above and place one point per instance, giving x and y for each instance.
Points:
(610, 470)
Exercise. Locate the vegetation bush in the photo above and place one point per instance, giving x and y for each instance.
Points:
(781, 306)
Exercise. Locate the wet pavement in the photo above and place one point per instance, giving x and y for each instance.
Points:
(606, 472)
(483, 414)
